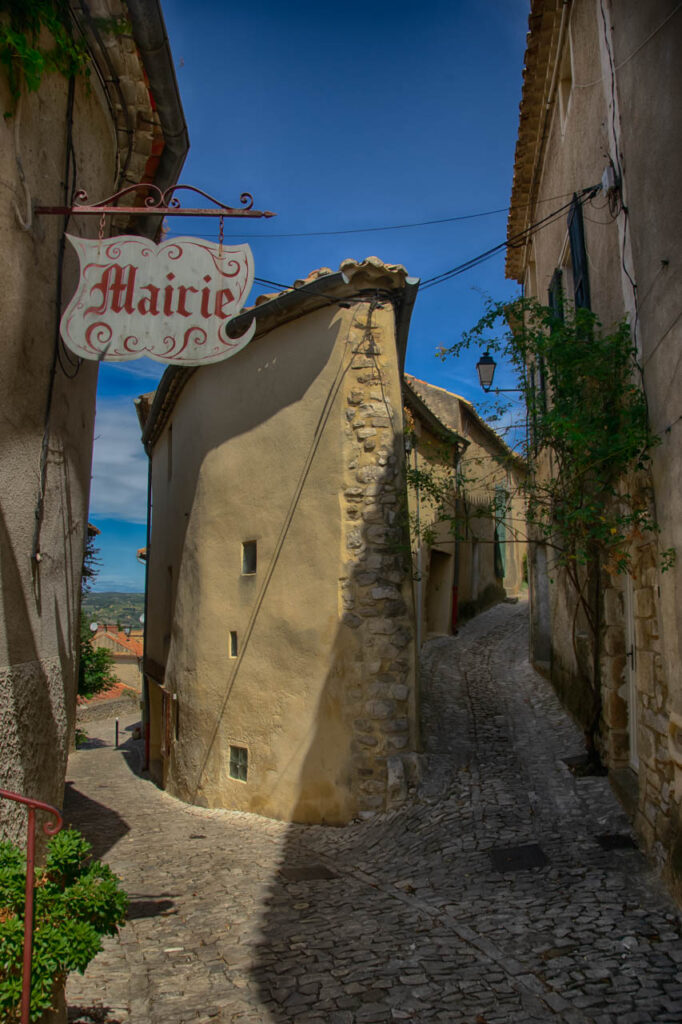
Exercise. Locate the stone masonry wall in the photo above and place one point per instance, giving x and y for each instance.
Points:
(657, 806)
(375, 589)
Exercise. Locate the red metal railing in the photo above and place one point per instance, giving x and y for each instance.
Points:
(50, 829)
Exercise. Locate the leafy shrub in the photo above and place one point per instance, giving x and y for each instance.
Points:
(95, 665)
(77, 901)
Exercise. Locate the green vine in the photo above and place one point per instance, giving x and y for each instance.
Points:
(21, 52)
(587, 491)
(589, 439)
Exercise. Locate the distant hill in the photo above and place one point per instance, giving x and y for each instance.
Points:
(112, 607)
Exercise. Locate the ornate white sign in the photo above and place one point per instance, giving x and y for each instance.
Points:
(171, 302)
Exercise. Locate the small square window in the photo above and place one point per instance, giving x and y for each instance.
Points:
(234, 647)
(239, 763)
(249, 557)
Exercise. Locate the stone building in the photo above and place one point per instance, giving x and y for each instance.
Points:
(126, 650)
(600, 103)
(280, 658)
(122, 125)
(469, 545)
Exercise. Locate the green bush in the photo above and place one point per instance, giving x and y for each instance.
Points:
(77, 901)
(95, 665)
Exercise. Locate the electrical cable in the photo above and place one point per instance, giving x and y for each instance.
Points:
(519, 239)
(391, 227)
(331, 301)
(74, 363)
(44, 448)
(583, 196)
(617, 67)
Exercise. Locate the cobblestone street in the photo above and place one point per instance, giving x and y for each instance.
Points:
(419, 915)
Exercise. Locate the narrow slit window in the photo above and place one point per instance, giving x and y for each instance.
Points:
(234, 645)
(239, 763)
(249, 557)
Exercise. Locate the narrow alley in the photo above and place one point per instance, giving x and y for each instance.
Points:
(510, 891)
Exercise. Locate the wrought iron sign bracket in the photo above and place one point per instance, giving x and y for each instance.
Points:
(165, 204)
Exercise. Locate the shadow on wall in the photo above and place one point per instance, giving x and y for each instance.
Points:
(203, 423)
(32, 747)
(276, 388)
(492, 594)
(365, 701)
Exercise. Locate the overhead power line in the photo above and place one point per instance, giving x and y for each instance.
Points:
(387, 227)
(514, 241)
(518, 239)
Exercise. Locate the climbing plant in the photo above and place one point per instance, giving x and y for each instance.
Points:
(24, 51)
(588, 428)
(588, 447)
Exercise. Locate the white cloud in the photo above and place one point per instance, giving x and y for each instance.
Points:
(145, 369)
(119, 465)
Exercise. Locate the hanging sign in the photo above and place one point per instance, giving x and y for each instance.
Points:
(172, 302)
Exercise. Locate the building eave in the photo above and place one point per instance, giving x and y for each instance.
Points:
(428, 417)
(505, 452)
(151, 38)
(543, 39)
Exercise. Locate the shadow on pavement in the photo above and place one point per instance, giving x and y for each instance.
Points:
(100, 825)
(91, 743)
(150, 907)
(96, 1014)
(133, 755)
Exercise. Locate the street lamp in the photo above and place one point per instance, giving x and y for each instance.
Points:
(485, 368)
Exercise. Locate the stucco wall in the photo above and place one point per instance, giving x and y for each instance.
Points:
(59, 140)
(40, 600)
(291, 444)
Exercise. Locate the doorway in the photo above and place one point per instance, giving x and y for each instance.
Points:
(439, 592)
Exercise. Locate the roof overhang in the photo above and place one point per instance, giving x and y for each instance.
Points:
(546, 24)
(414, 402)
(149, 32)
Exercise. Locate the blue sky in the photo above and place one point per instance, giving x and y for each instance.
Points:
(338, 117)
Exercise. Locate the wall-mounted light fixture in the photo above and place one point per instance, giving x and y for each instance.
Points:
(485, 367)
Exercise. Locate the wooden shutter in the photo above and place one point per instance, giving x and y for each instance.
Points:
(555, 297)
(576, 235)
